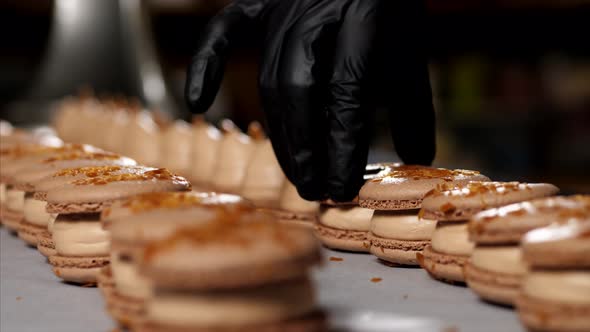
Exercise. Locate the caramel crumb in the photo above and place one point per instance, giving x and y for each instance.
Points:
(376, 280)
(451, 329)
(405, 296)
(336, 259)
(18, 298)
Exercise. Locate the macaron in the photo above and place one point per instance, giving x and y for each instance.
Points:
(295, 210)
(35, 217)
(241, 272)
(555, 293)
(82, 245)
(235, 151)
(264, 177)
(402, 187)
(496, 269)
(176, 141)
(143, 138)
(451, 207)
(140, 220)
(45, 243)
(205, 147)
(397, 233)
(19, 158)
(344, 227)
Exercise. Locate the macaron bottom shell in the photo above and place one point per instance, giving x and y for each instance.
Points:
(443, 267)
(341, 239)
(402, 252)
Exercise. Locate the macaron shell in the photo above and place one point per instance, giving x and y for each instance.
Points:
(541, 315)
(491, 286)
(463, 201)
(396, 251)
(443, 267)
(79, 270)
(341, 239)
(507, 224)
(45, 244)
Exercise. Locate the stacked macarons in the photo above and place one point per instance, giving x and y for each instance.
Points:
(260, 282)
(555, 293)
(452, 207)
(138, 221)
(396, 232)
(495, 270)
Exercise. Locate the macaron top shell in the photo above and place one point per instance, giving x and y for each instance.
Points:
(411, 183)
(559, 245)
(38, 171)
(460, 202)
(507, 224)
(153, 216)
(236, 251)
(117, 186)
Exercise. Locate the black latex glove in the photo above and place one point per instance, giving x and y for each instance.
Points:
(326, 65)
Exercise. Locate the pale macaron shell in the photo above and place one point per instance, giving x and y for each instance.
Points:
(463, 201)
(507, 224)
(235, 150)
(264, 176)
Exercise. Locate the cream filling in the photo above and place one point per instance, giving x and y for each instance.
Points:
(352, 218)
(500, 259)
(572, 287)
(127, 279)
(2, 193)
(401, 226)
(50, 224)
(15, 200)
(452, 239)
(80, 238)
(35, 212)
(233, 308)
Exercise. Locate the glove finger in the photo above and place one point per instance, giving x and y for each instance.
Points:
(350, 112)
(290, 82)
(402, 81)
(206, 69)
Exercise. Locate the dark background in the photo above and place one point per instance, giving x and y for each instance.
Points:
(511, 79)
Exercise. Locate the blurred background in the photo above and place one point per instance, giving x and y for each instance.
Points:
(511, 78)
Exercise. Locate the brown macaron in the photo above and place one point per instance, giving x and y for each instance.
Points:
(451, 207)
(555, 294)
(295, 210)
(495, 269)
(397, 233)
(344, 227)
(81, 243)
(247, 262)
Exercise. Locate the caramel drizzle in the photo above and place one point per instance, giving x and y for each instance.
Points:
(160, 174)
(90, 172)
(229, 226)
(475, 188)
(21, 151)
(416, 172)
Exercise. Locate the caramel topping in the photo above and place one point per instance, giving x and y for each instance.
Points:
(198, 120)
(375, 280)
(82, 156)
(174, 200)
(448, 208)
(160, 174)
(231, 227)
(90, 172)
(416, 172)
(336, 259)
(227, 126)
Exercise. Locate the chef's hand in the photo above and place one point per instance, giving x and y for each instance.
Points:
(326, 65)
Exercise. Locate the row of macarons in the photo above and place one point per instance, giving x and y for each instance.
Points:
(153, 246)
(512, 243)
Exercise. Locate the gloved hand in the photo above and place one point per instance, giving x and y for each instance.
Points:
(326, 65)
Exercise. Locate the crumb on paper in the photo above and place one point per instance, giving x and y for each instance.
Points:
(450, 329)
(18, 298)
(376, 279)
(405, 296)
(336, 259)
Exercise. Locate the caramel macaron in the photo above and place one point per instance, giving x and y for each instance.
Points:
(344, 227)
(82, 245)
(36, 218)
(15, 160)
(397, 233)
(242, 272)
(140, 220)
(295, 210)
(555, 294)
(45, 243)
(452, 206)
(496, 267)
